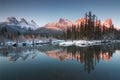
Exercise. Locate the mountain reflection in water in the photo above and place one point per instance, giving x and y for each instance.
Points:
(89, 56)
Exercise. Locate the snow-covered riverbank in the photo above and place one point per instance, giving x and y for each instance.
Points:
(31, 42)
(80, 43)
(85, 43)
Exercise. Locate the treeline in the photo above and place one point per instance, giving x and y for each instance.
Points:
(90, 29)
(6, 34)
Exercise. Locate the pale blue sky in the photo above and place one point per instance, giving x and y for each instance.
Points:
(44, 11)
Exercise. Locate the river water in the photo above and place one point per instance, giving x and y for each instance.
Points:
(49, 62)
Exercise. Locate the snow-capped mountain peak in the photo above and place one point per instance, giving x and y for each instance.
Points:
(61, 20)
(33, 25)
(32, 21)
(24, 24)
(12, 20)
(64, 21)
(61, 24)
(23, 21)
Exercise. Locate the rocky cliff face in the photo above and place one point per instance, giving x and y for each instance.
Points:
(108, 23)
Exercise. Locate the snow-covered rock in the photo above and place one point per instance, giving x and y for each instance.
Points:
(67, 43)
(83, 43)
(55, 42)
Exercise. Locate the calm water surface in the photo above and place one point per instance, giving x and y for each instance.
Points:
(49, 62)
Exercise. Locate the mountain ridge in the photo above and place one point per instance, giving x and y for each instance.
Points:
(64, 23)
(23, 23)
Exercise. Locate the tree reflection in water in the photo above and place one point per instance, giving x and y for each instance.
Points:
(90, 56)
